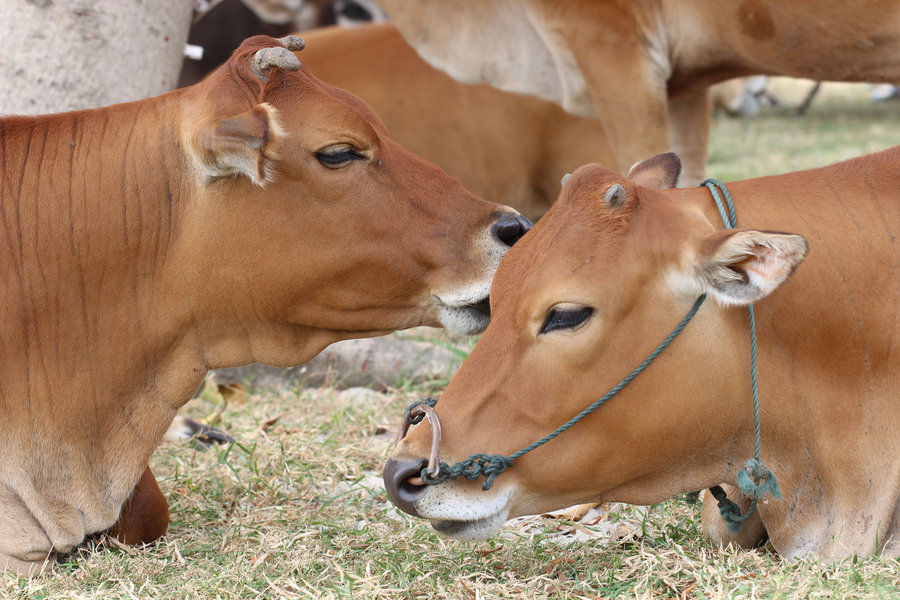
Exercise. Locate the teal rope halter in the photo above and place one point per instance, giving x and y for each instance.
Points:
(754, 479)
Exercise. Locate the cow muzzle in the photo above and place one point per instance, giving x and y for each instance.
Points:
(404, 480)
(454, 509)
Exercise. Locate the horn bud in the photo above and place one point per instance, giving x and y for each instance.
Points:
(280, 57)
(615, 195)
(293, 43)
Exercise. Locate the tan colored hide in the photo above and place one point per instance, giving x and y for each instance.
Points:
(503, 147)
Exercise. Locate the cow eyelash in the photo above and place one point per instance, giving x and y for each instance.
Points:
(566, 318)
(338, 158)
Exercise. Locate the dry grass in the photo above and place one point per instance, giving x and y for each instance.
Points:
(294, 509)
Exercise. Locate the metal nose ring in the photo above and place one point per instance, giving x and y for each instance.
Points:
(415, 415)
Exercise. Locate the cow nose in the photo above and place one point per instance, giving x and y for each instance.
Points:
(510, 228)
(397, 475)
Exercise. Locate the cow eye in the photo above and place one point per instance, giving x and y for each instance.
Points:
(566, 318)
(338, 156)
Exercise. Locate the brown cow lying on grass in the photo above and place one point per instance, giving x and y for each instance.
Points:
(611, 269)
(255, 217)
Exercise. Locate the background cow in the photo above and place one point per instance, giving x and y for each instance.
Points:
(606, 275)
(257, 216)
(643, 67)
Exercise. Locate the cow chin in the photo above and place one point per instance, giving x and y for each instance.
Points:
(464, 314)
(471, 531)
(464, 516)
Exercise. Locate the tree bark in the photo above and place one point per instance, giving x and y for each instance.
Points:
(58, 55)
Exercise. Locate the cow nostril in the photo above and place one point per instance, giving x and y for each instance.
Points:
(398, 481)
(510, 228)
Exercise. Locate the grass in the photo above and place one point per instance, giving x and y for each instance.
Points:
(841, 123)
(294, 508)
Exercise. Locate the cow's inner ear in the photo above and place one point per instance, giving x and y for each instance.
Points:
(246, 144)
(740, 267)
(660, 172)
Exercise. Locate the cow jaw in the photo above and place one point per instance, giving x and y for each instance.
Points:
(466, 312)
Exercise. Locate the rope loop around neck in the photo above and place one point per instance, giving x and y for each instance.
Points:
(754, 479)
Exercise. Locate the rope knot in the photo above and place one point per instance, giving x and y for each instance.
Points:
(731, 512)
(756, 480)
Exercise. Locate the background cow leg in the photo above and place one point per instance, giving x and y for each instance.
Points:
(632, 108)
(715, 529)
(145, 516)
(636, 123)
(689, 124)
(185, 429)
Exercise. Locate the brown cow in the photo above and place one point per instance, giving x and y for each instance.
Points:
(257, 216)
(611, 269)
(643, 66)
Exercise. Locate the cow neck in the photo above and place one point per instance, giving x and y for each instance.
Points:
(754, 479)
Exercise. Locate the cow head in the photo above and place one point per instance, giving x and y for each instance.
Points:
(604, 277)
(312, 225)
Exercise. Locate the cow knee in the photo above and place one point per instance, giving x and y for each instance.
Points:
(25, 548)
(715, 529)
(145, 516)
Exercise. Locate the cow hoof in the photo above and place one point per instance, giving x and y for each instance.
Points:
(184, 429)
(31, 565)
(206, 435)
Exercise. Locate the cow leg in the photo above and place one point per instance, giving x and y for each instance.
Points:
(145, 516)
(715, 529)
(689, 124)
(627, 89)
(636, 124)
(27, 566)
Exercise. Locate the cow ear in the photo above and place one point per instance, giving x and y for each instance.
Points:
(660, 172)
(741, 267)
(246, 144)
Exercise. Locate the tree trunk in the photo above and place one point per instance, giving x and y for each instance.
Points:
(58, 55)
